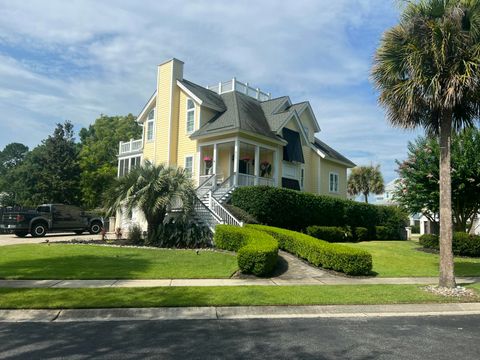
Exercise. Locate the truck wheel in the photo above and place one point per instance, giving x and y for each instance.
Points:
(95, 228)
(21, 234)
(39, 230)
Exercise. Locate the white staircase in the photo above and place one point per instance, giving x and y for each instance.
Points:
(211, 196)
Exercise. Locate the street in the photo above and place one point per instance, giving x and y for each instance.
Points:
(444, 337)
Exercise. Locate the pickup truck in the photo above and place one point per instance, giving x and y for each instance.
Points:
(50, 218)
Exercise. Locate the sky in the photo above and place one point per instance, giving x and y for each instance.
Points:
(74, 60)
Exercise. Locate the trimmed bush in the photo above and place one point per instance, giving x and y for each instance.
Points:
(321, 253)
(382, 233)
(328, 233)
(241, 214)
(296, 210)
(463, 244)
(360, 234)
(466, 245)
(429, 241)
(415, 229)
(257, 252)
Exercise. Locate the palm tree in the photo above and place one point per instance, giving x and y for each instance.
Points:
(153, 189)
(365, 180)
(427, 72)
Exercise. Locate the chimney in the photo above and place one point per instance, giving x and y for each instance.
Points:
(166, 110)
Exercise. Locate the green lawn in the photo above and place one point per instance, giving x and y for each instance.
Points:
(217, 296)
(402, 259)
(57, 261)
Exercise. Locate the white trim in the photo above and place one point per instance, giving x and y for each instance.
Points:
(329, 182)
(129, 157)
(147, 106)
(300, 126)
(324, 156)
(193, 164)
(309, 107)
(147, 140)
(187, 111)
(287, 100)
(235, 132)
(319, 176)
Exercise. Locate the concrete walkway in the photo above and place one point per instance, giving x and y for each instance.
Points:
(238, 312)
(223, 282)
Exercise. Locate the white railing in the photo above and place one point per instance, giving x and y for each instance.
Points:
(251, 180)
(131, 146)
(207, 183)
(206, 214)
(221, 212)
(235, 85)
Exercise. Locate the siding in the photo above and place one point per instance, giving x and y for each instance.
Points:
(186, 146)
(327, 167)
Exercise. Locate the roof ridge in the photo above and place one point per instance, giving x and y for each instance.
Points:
(203, 88)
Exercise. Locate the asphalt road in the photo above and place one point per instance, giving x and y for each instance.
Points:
(446, 337)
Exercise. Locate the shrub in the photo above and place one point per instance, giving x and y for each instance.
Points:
(257, 252)
(328, 233)
(241, 214)
(360, 234)
(415, 229)
(135, 235)
(429, 241)
(269, 205)
(321, 253)
(382, 233)
(181, 233)
(465, 244)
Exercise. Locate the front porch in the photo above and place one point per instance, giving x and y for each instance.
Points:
(237, 162)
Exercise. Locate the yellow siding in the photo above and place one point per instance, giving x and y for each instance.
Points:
(307, 120)
(186, 146)
(326, 168)
(206, 115)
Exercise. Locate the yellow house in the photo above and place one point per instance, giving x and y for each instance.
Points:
(232, 134)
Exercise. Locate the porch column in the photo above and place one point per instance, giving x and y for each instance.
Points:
(236, 159)
(276, 167)
(257, 164)
(214, 164)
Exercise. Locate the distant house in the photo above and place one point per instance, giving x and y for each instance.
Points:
(231, 134)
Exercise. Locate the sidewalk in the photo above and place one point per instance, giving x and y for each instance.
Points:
(225, 282)
(240, 312)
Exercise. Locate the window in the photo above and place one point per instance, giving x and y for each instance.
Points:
(150, 125)
(189, 165)
(127, 165)
(333, 184)
(190, 116)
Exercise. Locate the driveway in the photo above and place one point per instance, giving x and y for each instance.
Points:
(10, 239)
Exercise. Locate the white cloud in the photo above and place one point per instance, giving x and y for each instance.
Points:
(76, 59)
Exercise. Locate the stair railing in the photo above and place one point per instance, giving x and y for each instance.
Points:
(224, 187)
(207, 185)
(210, 218)
(219, 210)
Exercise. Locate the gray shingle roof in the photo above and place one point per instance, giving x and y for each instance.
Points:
(209, 98)
(242, 113)
(330, 153)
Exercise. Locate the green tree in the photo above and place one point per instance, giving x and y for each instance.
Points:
(98, 155)
(365, 180)
(50, 172)
(152, 189)
(418, 188)
(11, 157)
(427, 72)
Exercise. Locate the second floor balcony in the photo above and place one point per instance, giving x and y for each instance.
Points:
(131, 147)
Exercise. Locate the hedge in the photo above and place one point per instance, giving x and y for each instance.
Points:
(296, 210)
(321, 253)
(329, 233)
(257, 252)
(463, 244)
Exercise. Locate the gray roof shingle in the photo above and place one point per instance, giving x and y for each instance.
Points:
(330, 153)
(209, 98)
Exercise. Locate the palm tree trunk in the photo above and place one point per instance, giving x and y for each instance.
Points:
(447, 276)
(366, 197)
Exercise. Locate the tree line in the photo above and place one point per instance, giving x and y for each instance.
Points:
(63, 170)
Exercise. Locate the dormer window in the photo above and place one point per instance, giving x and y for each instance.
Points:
(190, 116)
(150, 125)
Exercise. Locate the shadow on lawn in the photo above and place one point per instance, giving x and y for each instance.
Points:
(123, 266)
(465, 268)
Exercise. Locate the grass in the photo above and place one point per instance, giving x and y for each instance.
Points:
(402, 259)
(217, 296)
(57, 261)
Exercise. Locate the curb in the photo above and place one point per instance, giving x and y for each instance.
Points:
(238, 312)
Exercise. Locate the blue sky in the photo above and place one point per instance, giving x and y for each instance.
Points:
(74, 60)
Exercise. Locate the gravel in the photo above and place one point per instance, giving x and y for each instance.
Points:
(458, 291)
